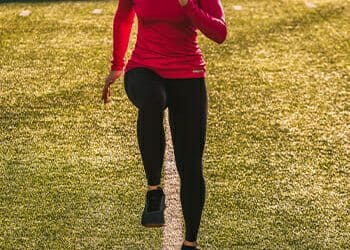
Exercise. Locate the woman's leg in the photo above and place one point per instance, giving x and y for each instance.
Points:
(187, 102)
(146, 91)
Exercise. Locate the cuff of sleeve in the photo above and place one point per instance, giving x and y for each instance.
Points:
(117, 66)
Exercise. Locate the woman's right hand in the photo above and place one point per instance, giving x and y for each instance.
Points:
(111, 78)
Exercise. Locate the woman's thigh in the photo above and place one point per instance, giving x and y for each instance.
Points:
(145, 89)
(188, 104)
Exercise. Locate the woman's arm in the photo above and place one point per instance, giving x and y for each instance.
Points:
(208, 18)
(122, 24)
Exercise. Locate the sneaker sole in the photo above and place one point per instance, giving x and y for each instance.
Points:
(153, 225)
(154, 219)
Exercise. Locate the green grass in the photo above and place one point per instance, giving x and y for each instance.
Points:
(277, 153)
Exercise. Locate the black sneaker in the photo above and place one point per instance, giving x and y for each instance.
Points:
(153, 213)
(189, 248)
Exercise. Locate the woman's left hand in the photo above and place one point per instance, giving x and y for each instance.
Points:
(183, 2)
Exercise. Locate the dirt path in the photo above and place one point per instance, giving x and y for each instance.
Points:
(172, 232)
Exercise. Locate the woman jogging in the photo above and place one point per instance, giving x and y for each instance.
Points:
(167, 70)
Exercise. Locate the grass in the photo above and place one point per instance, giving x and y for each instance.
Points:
(277, 153)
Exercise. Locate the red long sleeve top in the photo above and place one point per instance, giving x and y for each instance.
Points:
(166, 37)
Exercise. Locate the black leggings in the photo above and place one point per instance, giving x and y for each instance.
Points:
(186, 100)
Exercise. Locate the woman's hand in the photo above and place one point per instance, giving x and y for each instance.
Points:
(106, 92)
(183, 2)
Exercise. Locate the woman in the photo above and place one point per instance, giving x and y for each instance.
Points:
(167, 70)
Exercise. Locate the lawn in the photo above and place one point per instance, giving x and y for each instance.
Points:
(277, 155)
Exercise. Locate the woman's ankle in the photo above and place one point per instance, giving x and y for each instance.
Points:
(190, 243)
(153, 187)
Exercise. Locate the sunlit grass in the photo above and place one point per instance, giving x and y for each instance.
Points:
(277, 153)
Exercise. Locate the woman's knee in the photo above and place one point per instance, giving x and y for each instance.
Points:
(192, 175)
